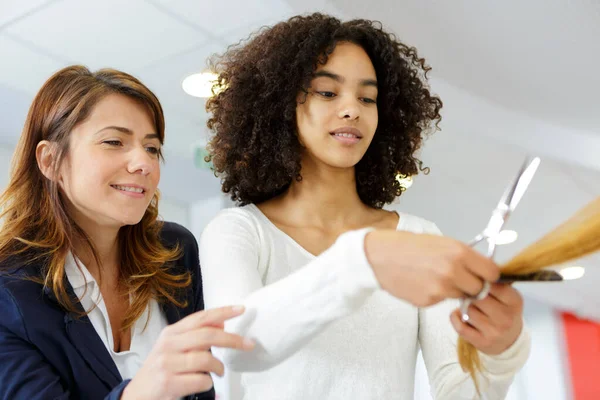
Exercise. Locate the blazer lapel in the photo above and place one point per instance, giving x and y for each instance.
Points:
(85, 339)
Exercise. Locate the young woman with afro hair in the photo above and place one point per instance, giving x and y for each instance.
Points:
(313, 119)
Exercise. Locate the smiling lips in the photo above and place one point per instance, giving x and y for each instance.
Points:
(347, 135)
(130, 190)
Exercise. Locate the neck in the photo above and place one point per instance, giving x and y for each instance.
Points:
(332, 189)
(105, 241)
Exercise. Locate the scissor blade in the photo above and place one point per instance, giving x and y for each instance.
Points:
(515, 191)
(529, 171)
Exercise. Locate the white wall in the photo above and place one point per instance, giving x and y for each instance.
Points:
(5, 157)
(546, 374)
(174, 211)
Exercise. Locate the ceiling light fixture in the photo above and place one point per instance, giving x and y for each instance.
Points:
(404, 180)
(199, 85)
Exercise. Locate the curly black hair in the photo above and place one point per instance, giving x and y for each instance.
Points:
(255, 148)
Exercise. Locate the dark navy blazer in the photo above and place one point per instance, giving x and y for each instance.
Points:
(48, 353)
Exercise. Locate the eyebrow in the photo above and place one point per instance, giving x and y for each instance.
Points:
(340, 79)
(127, 131)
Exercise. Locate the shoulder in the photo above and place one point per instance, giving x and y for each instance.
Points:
(18, 285)
(16, 272)
(244, 230)
(173, 234)
(20, 297)
(413, 223)
(236, 220)
(240, 215)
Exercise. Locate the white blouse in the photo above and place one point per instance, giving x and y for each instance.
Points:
(142, 340)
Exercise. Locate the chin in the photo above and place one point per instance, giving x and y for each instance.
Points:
(344, 162)
(129, 220)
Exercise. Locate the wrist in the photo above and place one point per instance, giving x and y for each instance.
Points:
(381, 250)
(375, 248)
(375, 252)
(512, 336)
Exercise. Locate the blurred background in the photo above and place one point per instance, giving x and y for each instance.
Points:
(517, 78)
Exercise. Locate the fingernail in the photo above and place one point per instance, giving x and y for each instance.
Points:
(238, 308)
(248, 344)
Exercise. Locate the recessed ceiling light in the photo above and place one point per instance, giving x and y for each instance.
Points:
(569, 273)
(404, 180)
(506, 236)
(199, 85)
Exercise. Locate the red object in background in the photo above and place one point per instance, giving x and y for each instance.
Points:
(583, 346)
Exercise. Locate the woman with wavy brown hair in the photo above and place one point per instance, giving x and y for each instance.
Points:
(98, 298)
(313, 120)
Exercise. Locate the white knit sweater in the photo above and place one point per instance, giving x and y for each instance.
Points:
(324, 328)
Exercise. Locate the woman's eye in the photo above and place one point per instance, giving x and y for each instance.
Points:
(112, 142)
(327, 94)
(369, 100)
(152, 150)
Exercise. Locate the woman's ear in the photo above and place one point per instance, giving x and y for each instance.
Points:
(45, 154)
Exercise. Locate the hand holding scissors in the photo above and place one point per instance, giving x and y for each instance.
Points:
(427, 269)
(508, 202)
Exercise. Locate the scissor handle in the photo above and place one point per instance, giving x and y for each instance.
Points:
(491, 250)
(464, 309)
(465, 303)
(476, 240)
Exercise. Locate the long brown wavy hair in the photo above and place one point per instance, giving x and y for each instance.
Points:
(36, 226)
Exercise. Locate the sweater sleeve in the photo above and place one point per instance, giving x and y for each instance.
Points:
(438, 344)
(301, 305)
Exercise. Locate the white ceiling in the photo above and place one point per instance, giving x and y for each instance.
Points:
(516, 78)
(537, 56)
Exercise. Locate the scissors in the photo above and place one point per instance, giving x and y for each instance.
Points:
(508, 202)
